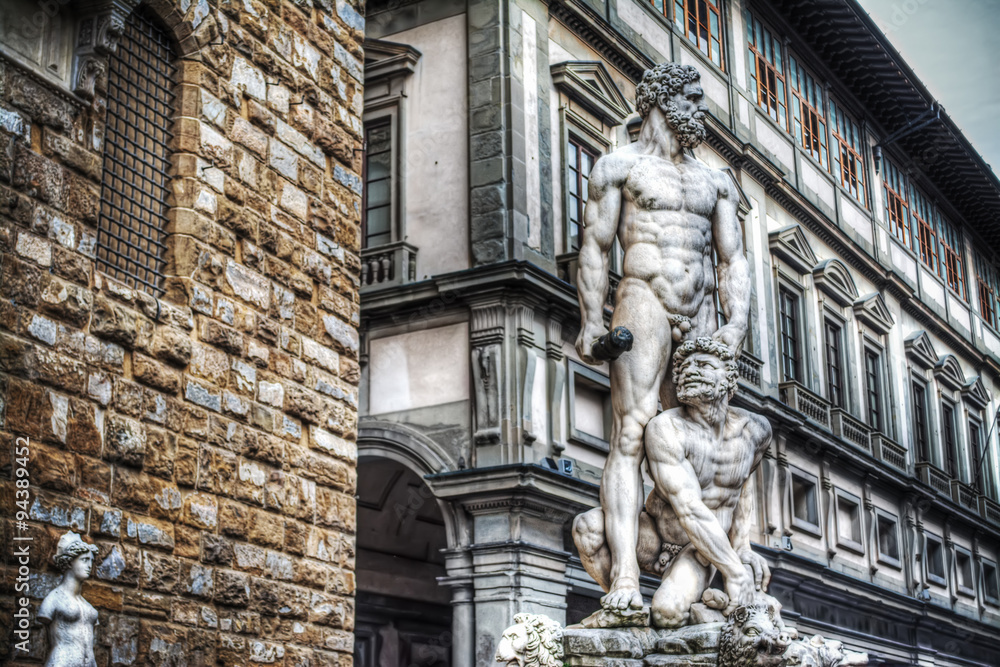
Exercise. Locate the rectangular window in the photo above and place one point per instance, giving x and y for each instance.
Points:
(920, 433)
(805, 505)
(963, 568)
(887, 530)
(766, 70)
(991, 583)
(948, 428)
(935, 561)
(953, 268)
(791, 345)
(849, 531)
(847, 152)
(976, 454)
(988, 283)
(873, 389)
(808, 116)
(923, 215)
(897, 210)
(579, 161)
(376, 220)
(834, 365)
(701, 21)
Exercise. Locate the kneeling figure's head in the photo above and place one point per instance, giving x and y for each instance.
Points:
(704, 370)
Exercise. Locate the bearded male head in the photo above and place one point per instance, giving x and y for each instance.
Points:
(704, 370)
(676, 91)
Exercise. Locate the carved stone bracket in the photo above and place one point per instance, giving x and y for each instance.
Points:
(486, 339)
(556, 384)
(101, 26)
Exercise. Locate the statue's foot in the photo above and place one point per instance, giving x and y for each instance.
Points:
(624, 595)
(616, 618)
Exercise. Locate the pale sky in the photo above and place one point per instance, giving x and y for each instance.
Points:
(954, 47)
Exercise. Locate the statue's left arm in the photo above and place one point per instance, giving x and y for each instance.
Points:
(758, 435)
(733, 270)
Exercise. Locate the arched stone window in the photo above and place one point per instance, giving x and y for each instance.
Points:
(135, 184)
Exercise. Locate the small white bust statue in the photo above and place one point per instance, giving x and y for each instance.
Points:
(70, 618)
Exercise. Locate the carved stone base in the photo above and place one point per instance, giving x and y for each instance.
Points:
(607, 618)
(695, 645)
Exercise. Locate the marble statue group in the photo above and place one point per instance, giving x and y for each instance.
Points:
(673, 372)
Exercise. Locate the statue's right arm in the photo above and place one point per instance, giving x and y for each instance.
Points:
(600, 224)
(677, 482)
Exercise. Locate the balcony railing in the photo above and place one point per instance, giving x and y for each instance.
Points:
(934, 477)
(989, 510)
(850, 429)
(750, 367)
(964, 495)
(390, 264)
(797, 397)
(889, 452)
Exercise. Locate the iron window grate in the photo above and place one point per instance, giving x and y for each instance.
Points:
(135, 185)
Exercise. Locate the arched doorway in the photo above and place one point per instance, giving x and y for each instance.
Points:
(403, 616)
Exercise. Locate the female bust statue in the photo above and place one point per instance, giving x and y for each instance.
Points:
(70, 618)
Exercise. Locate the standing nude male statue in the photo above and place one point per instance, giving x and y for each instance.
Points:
(701, 455)
(670, 212)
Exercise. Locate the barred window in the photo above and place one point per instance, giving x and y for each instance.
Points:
(923, 215)
(952, 264)
(808, 117)
(701, 21)
(579, 161)
(897, 209)
(847, 153)
(766, 70)
(790, 334)
(135, 184)
(376, 213)
(988, 282)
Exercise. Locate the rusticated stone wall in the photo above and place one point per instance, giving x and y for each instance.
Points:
(203, 440)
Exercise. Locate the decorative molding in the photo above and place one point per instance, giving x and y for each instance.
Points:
(975, 393)
(790, 244)
(834, 279)
(589, 83)
(871, 310)
(593, 29)
(487, 324)
(949, 372)
(388, 60)
(101, 26)
(920, 350)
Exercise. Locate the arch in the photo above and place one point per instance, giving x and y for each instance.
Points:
(418, 453)
(834, 278)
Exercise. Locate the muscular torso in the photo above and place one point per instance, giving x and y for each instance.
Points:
(666, 231)
(722, 470)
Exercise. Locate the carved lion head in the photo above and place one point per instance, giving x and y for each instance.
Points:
(533, 641)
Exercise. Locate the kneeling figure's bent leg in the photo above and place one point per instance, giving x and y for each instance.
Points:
(681, 587)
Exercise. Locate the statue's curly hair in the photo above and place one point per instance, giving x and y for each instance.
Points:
(64, 560)
(544, 646)
(662, 82)
(711, 346)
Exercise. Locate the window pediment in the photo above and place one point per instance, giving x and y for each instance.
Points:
(949, 372)
(920, 350)
(833, 277)
(590, 84)
(975, 393)
(872, 311)
(790, 244)
(387, 60)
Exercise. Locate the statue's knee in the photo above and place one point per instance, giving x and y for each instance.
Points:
(630, 440)
(588, 531)
(668, 618)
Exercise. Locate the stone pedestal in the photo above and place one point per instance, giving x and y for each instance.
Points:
(694, 646)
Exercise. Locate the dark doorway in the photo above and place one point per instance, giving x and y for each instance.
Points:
(403, 616)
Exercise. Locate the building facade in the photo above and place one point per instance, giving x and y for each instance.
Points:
(871, 224)
(179, 262)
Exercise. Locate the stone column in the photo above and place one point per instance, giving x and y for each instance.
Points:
(458, 563)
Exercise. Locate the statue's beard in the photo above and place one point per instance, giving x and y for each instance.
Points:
(689, 392)
(688, 128)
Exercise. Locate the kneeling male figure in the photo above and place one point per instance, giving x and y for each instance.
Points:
(701, 455)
